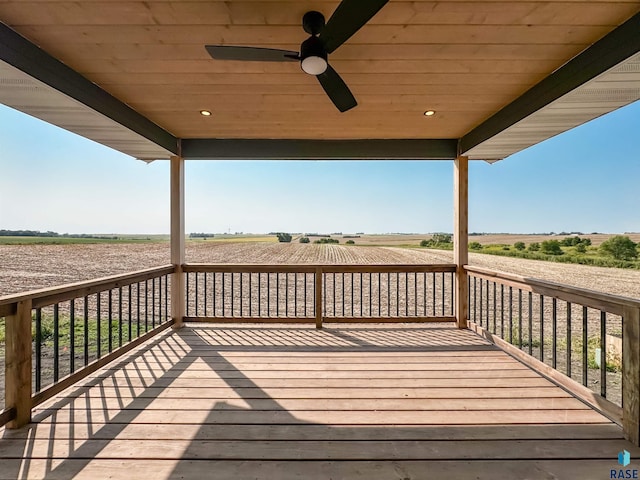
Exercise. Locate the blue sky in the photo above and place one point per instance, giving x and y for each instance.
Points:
(583, 180)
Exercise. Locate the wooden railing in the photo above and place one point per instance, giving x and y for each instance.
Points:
(56, 336)
(319, 293)
(587, 341)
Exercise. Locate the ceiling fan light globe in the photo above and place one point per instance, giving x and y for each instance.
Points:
(314, 65)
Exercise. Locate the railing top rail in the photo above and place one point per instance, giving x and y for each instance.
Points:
(614, 304)
(48, 296)
(311, 268)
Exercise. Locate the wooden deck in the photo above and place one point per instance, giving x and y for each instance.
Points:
(283, 402)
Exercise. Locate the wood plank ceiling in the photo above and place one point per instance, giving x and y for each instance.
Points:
(464, 59)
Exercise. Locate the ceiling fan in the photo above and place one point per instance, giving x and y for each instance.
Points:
(347, 19)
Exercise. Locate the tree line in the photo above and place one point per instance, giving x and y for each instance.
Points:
(50, 234)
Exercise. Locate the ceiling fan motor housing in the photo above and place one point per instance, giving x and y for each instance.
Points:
(313, 22)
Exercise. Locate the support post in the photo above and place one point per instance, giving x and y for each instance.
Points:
(318, 285)
(18, 364)
(177, 241)
(631, 374)
(461, 237)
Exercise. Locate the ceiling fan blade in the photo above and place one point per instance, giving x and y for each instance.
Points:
(251, 54)
(348, 18)
(337, 90)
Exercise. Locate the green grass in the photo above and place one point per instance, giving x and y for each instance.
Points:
(613, 362)
(64, 330)
(130, 239)
(515, 331)
(223, 238)
(591, 257)
(73, 241)
(64, 339)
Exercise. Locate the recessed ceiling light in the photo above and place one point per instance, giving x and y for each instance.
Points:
(205, 113)
(428, 113)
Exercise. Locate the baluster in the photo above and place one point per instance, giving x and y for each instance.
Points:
(153, 300)
(585, 344)
(397, 294)
(511, 315)
(86, 330)
(502, 311)
(542, 328)
(197, 303)
(495, 305)
(187, 275)
(206, 294)
(530, 323)
(361, 307)
(260, 293)
(569, 340)
(39, 349)
(130, 336)
(138, 309)
(98, 326)
(603, 354)
(110, 320)
(481, 301)
(72, 335)
(333, 281)
(554, 328)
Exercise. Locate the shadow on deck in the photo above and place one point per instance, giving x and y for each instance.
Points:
(283, 402)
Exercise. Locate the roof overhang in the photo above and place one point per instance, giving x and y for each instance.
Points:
(603, 77)
(34, 82)
(33, 97)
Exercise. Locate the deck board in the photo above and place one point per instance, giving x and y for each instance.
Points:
(304, 469)
(280, 402)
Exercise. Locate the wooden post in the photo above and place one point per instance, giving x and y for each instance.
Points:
(631, 374)
(18, 364)
(460, 237)
(177, 241)
(319, 312)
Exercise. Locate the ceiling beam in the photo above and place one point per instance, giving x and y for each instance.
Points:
(271, 149)
(24, 55)
(613, 48)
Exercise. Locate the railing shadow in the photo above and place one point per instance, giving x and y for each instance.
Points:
(101, 425)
